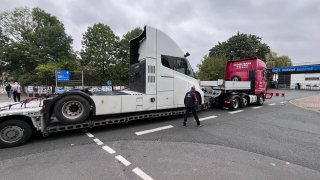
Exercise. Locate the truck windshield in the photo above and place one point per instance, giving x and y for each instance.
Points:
(178, 64)
(189, 70)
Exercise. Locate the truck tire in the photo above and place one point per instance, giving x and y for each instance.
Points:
(235, 104)
(14, 132)
(72, 109)
(235, 78)
(260, 100)
(243, 101)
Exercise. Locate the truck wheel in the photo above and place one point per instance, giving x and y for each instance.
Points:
(243, 101)
(14, 132)
(72, 109)
(235, 78)
(260, 100)
(235, 104)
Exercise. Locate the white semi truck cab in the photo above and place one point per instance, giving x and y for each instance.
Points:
(160, 76)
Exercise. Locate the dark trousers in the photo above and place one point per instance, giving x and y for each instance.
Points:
(16, 96)
(194, 113)
(9, 94)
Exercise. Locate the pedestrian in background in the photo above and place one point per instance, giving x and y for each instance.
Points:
(8, 90)
(190, 101)
(16, 91)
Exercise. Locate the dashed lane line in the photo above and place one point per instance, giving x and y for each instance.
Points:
(142, 174)
(120, 158)
(256, 107)
(123, 160)
(89, 135)
(108, 149)
(206, 118)
(272, 104)
(233, 112)
(153, 130)
(96, 140)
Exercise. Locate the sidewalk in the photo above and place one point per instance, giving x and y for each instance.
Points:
(311, 102)
(4, 98)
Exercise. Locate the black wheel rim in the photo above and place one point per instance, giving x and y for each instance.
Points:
(11, 134)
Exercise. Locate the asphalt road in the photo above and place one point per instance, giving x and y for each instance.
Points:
(276, 141)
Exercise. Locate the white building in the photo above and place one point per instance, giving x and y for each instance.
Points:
(303, 77)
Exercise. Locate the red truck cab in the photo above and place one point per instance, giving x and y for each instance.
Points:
(253, 70)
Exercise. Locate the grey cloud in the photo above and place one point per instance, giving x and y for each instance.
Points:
(290, 27)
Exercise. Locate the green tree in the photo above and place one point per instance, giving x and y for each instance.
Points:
(273, 60)
(241, 46)
(46, 72)
(100, 47)
(122, 68)
(35, 37)
(212, 68)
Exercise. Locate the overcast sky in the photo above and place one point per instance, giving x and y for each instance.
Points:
(289, 27)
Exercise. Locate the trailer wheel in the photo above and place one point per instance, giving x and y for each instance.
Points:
(243, 101)
(260, 100)
(14, 132)
(72, 109)
(235, 104)
(235, 78)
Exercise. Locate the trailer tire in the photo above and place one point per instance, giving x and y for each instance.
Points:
(260, 100)
(243, 101)
(235, 104)
(14, 132)
(235, 78)
(72, 109)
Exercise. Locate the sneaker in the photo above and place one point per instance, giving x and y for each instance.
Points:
(184, 124)
(200, 125)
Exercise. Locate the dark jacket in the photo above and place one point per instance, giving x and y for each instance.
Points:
(190, 99)
(8, 87)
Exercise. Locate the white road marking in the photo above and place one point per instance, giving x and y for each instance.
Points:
(233, 112)
(89, 135)
(153, 130)
(257, 107)
(142, 174)
(273, 164)
(272, 104)
(98, 141)
(206, 118)
(283, 102)
(108, 149)
(123, 160)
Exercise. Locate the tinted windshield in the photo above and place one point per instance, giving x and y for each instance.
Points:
(178, 64)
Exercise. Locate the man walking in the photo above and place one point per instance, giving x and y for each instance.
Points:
(8, 89)
(16, 88)
(190, 101)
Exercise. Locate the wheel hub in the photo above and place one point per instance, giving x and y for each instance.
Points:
(11, 134)
(72, 109)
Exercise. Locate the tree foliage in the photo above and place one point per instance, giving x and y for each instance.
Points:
(34, 37)
(123, 66)
(241, 46)
(99, 52)
(212, 68)
(273, 60)
(105, 55)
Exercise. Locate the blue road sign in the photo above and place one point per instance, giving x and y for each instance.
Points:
(109, 82)
(63, 75)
